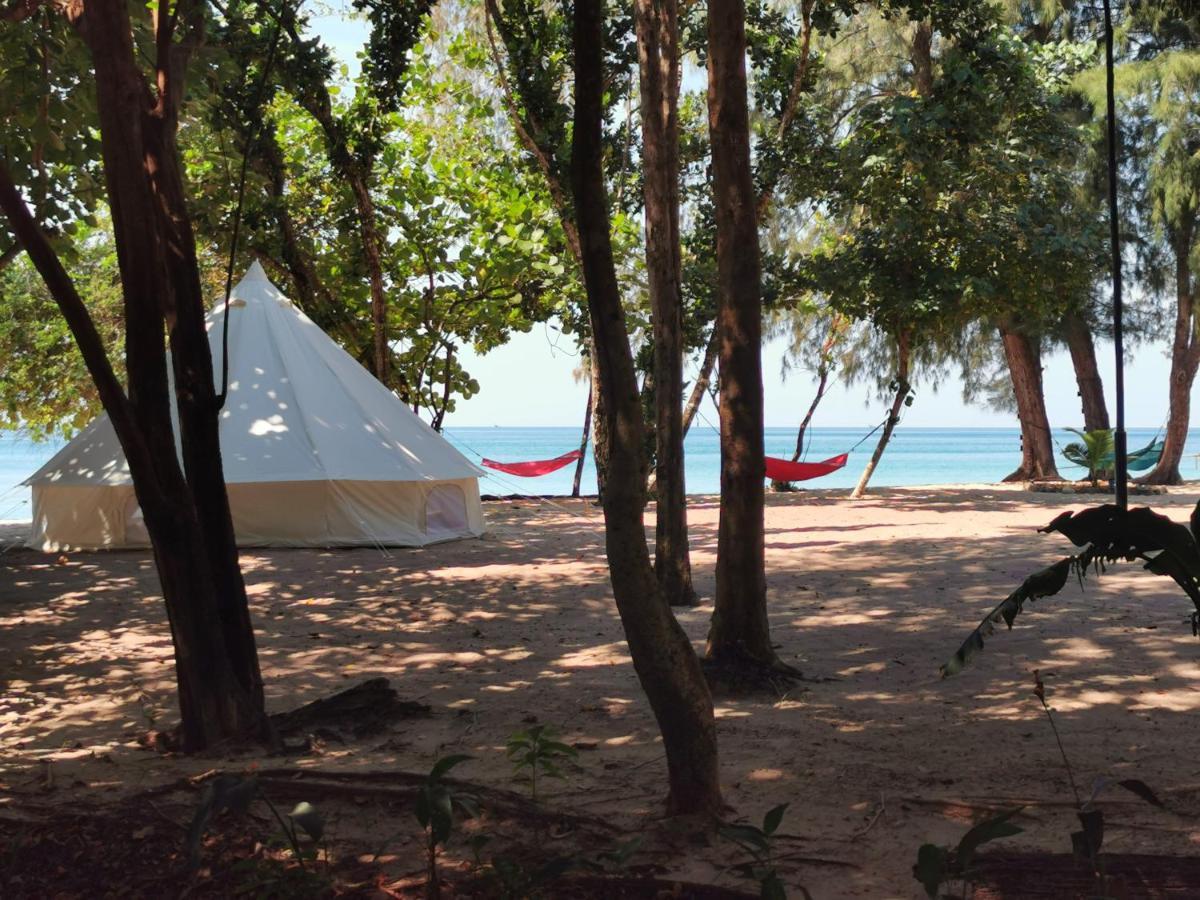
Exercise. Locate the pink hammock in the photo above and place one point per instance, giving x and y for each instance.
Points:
(535, 467)
(786, 470)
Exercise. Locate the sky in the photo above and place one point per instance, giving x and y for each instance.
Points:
(530, 381)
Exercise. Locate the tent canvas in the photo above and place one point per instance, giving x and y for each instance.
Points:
(316, 451)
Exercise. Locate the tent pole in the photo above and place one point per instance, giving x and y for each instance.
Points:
(1121, 471)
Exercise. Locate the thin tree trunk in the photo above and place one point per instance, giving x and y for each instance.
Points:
(1087, 373)
(583, 441)
(740, 631)
(600, 425)
(922, 58)
(1185, 358)
(822, 386)
(658, 63)
(1025, 369)
(662, 655)
(903, 359)
(703, 378)
(312, 294)
(373, 257)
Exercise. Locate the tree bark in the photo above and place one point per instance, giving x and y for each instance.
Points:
(583, 441)
(903, 360)
(658, 63)
(1087, 373)
(922, 58)
(600, 424)
(1185, 358)
(822, 386)
(1025, 368)
(312, 294)
(662, 655)
(220, 689)
(740, 632)
(703, 378)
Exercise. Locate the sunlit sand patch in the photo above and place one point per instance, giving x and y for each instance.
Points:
(600, 655)
(730, 712)
(765, 775)
(829, 619)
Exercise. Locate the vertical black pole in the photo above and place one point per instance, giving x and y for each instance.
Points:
(1121, 473)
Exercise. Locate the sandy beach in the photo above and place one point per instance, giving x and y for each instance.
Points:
(875, 753)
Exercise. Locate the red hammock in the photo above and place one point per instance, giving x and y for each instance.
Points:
(535, 467)
(786, 470)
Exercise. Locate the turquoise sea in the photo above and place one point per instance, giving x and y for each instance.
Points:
(915, 456)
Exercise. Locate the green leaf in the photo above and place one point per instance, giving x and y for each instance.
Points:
(307, 817)
(772, 819)
(989, 830)
(747, 835)
(932, 867)
(1141, 789)
(446, 763)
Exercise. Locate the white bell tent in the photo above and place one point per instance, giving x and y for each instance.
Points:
(316, 451)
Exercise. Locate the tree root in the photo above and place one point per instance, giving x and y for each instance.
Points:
(739, 673)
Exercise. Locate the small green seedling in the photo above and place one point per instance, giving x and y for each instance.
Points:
(759, 843)
(235, 793)
(938, 865)
(436, 805)
(536, 753)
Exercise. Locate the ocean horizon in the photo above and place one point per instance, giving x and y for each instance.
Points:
(915, 456)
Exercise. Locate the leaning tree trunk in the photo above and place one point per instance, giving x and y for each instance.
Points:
(600, 425)
(1087, 373)
(703, 378)
(220, 691)
(658, 62)
(583, 441)
(740, 632)
(1185, 358)
(822, 386)
(1025, 369)
(662, 655)
(903, 360)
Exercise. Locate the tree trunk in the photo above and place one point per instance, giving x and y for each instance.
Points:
(373, 257)
(740, 632)
(662, 655)
(1037, 446)
(703, 377)
(822, 386)
(1185, 358)
(600, 425)
(922, 58)
(1087, 374)
(658, 62)
(583, 441)
(903, 358)
(187, 516)
(311, 293)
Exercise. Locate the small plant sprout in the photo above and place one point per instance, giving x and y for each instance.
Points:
(436, 805)
(1086, 842)
(759, 843)
(236, 793)
(938, 865)
(535, 753)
